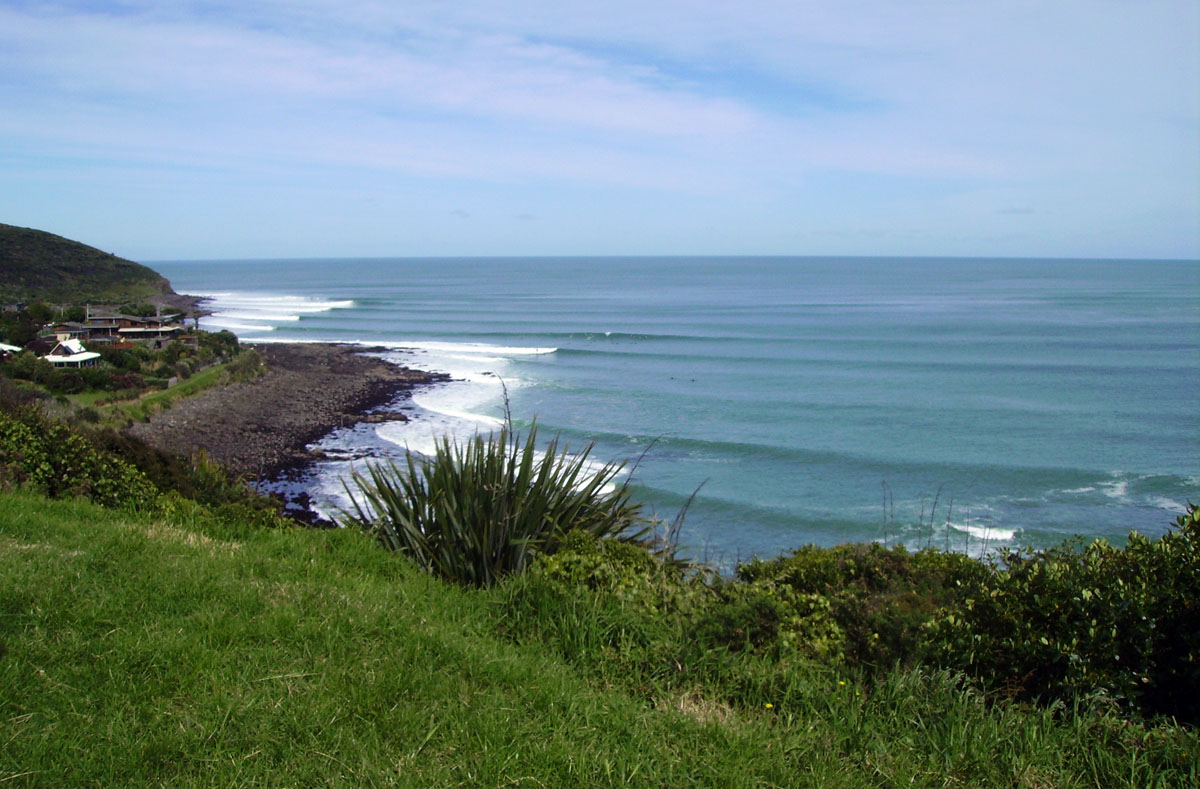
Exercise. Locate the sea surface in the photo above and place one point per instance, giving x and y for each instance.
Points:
(970, 404)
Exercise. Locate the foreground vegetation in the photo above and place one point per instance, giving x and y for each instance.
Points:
(160, 623)
(478, 512)
(183, 649)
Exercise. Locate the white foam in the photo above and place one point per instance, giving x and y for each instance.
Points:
(469, 350)
(987, 533)
(1079, 490)
(438, 405)
(426, 442)
(246, 311)
(471, 403)
(288, 340)
(253, 315)
(1117, 489)
(234, 326)
(276, 301)
(1163, 503)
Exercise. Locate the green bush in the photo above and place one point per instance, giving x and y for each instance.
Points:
(584, 561)
(223, 343)
(246, 365)
(476, 512)
(48, 455)
(129, 359)
(627, 571)
(879, 598)
(770, 619)
(28, 366)
(1100, 626)
(198, 477)
(1064, 622)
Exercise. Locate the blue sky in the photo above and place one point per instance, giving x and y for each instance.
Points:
(310, 128)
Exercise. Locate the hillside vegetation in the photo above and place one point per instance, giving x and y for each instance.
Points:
(180, 649)
(40, 266)
(161, 624)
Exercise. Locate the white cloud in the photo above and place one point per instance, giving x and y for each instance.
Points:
(748, 101)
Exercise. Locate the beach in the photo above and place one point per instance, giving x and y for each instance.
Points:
(262, 427)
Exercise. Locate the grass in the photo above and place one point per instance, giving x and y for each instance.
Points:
(162, 399)
(151, 651)
(144, 406)
(89, 399)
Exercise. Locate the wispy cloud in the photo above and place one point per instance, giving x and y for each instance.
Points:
(722, 107)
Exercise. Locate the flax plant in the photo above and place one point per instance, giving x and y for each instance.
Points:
(478, 511)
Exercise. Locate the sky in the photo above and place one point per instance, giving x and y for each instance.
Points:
(199, 129)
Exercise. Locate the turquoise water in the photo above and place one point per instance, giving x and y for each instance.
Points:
(816, 400)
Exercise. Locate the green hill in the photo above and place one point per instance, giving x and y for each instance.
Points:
(40, 266)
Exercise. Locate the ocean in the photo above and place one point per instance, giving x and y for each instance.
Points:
(970, 404)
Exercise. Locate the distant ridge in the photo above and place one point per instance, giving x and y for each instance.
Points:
(40, 266)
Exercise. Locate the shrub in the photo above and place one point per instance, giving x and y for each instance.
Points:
(767, 619)
(198, 477)
(121, 358)
(88, 414)
(223, 343)
(1064, 622)
(879, 598)
(29, 366)
(476, 512)
(611, 606)
(50, 456)
(625, 570)
(125, 382)
(245, 366)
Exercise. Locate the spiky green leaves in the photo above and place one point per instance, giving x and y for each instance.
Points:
(478, 511)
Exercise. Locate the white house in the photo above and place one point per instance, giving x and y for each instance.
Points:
(70, 353)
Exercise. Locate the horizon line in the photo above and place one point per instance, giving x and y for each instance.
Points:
(678, 256)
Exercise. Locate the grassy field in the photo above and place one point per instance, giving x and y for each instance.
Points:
(147, 405)
(140, 407)
(176, 650)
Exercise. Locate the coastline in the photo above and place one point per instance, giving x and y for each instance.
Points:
(805, 404)
(261, 428)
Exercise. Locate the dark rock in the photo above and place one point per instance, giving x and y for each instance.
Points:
(261, 427)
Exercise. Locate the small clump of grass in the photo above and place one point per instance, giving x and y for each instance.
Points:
(481, 510)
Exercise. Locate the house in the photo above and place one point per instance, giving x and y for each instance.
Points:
(7, 350)
(119, 329)
(70, 353)
(156, 331)
(71, 330)
(102, 327)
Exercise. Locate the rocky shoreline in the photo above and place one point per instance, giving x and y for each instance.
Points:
(262, 427)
